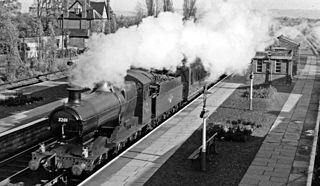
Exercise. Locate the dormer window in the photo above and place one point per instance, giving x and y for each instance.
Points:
(77, 11)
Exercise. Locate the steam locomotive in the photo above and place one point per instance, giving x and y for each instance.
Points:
(100, 124)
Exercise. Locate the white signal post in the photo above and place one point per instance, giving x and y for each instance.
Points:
(251, 86)
(251, 90)
(204, 115)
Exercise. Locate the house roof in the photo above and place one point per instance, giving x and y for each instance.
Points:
(288, 41)
(91, 14)
(98, 6)
(94, 10)
(272, 55)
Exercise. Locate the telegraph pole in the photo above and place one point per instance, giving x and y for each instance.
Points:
(204, 115)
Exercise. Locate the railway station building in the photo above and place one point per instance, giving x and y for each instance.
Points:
(278, 63)
(273, 66)
(294, 46)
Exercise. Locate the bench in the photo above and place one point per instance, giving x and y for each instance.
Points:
(210, 144)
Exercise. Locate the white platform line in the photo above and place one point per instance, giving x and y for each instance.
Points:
(314, 150)
(22, 127)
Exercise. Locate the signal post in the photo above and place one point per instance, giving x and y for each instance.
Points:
(204, 115)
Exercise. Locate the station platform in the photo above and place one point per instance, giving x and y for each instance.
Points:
(27, 118)
(30, 89)
(286, 156)
(137, 165)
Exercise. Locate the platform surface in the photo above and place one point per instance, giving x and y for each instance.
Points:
(285, 155)
(137, 165)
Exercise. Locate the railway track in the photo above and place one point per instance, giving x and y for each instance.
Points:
(22, 175)
(18, 164)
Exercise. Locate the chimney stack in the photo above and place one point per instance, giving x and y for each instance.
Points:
(84, 9)
(67, 9)
(108, 10)
(74, 95)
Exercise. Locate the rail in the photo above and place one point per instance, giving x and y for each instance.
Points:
(34, 80)
(19, 165)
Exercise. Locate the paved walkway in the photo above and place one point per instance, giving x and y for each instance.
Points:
(137, 165)
(283, 158)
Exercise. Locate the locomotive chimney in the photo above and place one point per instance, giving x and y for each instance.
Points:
(74, 95)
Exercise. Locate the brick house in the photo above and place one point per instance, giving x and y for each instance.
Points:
(273, 65)
(84, 17)
(294, 46)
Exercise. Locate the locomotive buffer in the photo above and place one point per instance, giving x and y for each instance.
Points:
(204, 115)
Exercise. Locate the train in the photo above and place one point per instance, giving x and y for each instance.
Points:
(94, 125)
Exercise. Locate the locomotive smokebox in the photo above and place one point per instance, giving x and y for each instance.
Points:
(74, 95)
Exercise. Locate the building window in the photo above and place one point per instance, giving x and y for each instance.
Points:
(259, 66)
(77, 10)
(278, 66)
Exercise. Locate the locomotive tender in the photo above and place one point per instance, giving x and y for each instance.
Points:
(91, 128)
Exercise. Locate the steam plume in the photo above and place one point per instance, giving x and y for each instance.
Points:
(225, 38)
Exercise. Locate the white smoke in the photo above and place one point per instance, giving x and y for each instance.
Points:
(225, 38)
(295, 31)
(316, 32)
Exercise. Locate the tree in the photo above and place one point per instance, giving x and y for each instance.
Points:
(167, 6)
(26, 24)
(9, 41)
(50, 50)
(154, 7)
(11, 7)
(189, 9)
(48, 11)
(140, 12)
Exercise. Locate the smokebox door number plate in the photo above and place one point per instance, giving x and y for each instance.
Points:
(63, 120)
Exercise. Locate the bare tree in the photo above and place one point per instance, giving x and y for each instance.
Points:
(150, 7)
(46, 15)
(140, 12)
(167, 6)
(154, 7)
(189, 9)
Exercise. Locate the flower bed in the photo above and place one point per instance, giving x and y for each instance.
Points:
(235, 130)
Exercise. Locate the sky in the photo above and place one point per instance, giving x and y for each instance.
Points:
(129, 5)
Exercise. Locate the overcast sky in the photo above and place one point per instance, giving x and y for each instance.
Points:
(129, 5)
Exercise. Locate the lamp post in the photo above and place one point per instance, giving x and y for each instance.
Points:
(204, 115)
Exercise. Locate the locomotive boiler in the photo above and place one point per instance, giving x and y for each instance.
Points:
(95, 124)
(101, 110)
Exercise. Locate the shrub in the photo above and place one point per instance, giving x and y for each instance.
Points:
(261, 92)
